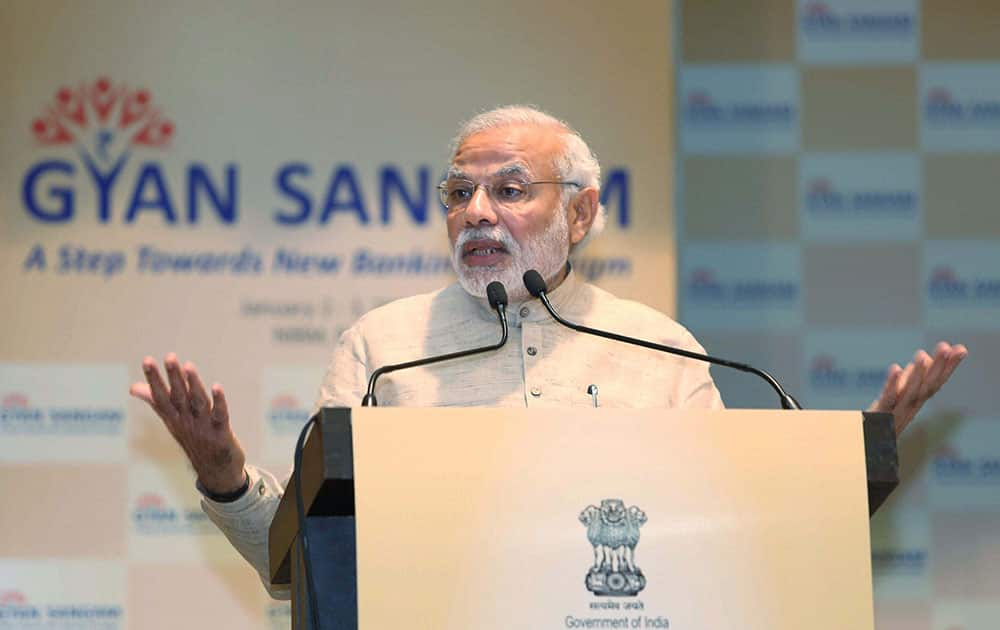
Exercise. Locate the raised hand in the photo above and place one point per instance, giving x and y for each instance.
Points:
(199, 424)
(907, 389)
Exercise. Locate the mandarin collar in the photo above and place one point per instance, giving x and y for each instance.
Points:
(532, 310)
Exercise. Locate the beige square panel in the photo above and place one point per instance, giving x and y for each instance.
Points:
(862, 285)
(960, 196)
(215, 597)
(902, 613)
(721, 30)
(63, 510)
(846, 109)
(740, 198)
(777, 352)
(967, 562)
(961, 29)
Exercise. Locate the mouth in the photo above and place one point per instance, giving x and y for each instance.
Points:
(483, 252)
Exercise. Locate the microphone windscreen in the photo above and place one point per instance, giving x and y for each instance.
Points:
(534, 283)
(496, 294)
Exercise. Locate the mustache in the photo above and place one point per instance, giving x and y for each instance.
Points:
(494, 233)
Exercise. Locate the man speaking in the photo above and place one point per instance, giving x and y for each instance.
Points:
(522, 193)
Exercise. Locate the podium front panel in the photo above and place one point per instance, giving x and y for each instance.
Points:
(489, 518)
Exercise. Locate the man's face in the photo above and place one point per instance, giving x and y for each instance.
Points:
(501, 240)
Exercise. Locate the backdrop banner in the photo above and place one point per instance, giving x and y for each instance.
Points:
(836, 211)
(238, 182)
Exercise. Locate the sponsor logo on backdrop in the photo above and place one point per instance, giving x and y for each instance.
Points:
(860, 196)
(18, 415)
(942, 107)
(820, 19)
(960, 106)
(153, 515)
(701, 108)
(858, 32)
(900, 561)
(827, 375)
(704, 286)
(953, 467)
(947, 287)
(823, 198)
(738, 109)
(18, 611)
(286, 415)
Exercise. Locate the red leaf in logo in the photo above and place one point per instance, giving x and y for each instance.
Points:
(817, 9)
(149, 500)
(284, 401)
(134, 108)
(939, 96)
(155, 133)
(69, 104)
(12, 597)
(103, 98)
(823, 363)
(15, 399)
(702, 275)
(943, 273)
(49, 130)
(820, 185)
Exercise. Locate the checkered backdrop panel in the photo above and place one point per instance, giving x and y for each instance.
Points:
(836, 168)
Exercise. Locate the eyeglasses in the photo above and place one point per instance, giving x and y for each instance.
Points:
(506, 193)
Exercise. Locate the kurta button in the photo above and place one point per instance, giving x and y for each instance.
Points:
(536, 392)
(532, 350)
(261, 489)
(525, 311)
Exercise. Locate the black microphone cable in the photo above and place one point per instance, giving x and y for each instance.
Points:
(535, 284)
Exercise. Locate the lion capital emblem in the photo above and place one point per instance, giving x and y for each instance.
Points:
(613, 531)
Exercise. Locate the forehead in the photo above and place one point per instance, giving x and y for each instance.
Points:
(529, 145)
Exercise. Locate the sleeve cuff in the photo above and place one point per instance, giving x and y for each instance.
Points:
(227, 497)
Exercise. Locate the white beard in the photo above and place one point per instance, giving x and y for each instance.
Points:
(546, 254)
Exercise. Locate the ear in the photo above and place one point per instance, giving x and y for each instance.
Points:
(582, 211)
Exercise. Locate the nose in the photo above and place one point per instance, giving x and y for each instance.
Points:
(480, 209)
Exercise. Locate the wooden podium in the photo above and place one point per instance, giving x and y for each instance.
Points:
(587, 518)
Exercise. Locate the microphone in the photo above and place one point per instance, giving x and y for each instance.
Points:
(497, 297)
(535, 284)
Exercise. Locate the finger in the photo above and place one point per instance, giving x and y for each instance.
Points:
(909, 399)
(142, 392)
(958, 354)
(887, 398)
(904, 378)
(220, 410)
(200, 403)
(178, 386)
(933, 380)
(161, 396)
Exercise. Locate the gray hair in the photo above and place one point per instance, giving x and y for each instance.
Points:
(576, 164)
